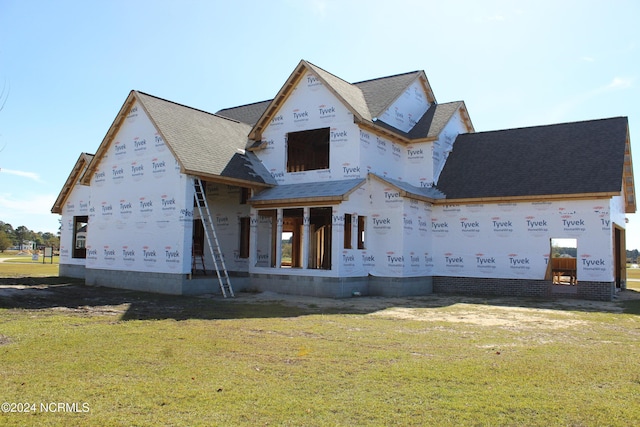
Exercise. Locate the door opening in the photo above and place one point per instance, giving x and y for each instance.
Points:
(563, 261)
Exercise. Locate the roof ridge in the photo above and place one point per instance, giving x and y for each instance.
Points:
(386, 77)
(244, 105)
(186, 106)
(328, 72)
(551, 124)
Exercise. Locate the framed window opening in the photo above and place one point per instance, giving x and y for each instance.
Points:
(362, 223)
(308, 150)
(80, 226)
(347, 231)
(245, 229)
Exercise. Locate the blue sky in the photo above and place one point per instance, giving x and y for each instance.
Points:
(69, 65)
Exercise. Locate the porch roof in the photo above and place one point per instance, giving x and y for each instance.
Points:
(305, 193)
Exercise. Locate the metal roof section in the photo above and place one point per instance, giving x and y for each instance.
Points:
(329, 192)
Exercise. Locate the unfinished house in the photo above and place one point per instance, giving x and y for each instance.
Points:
(337, 189)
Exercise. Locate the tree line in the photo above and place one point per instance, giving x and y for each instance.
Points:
(10, 237)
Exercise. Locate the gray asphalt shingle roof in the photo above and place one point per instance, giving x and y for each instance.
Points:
(248, 114)
(369, 99)
(201, 141)
(568, 158)
(205, 143)
(431, 124)
(381, 92)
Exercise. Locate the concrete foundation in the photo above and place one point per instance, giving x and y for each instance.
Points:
(162, 283)
(72, 270)
(338, 287)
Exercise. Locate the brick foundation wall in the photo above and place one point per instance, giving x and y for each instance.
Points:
(598, 291)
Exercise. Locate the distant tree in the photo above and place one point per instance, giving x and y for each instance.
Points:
(23, 234)
(49, 240)
(5, 241)
(4, 94)
(7, 228)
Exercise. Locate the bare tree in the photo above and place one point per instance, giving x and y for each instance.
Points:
(4, 95)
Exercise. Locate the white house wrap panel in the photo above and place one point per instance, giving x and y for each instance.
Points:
(142, 211)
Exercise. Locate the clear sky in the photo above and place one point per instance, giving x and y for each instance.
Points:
(69, 65)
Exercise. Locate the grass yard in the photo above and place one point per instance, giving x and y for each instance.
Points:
(114, 357)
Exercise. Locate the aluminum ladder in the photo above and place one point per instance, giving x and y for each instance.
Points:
(212, 238)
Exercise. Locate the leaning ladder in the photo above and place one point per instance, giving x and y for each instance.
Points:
(212, 238)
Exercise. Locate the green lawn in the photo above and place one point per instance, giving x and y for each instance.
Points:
(13, 265)
(130, 358)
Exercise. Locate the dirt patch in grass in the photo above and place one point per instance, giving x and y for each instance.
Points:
(70, 295)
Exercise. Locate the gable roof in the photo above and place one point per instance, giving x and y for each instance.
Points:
(433, 121)
(381, 92)
(568, 159)
(202, 143)
(75, 177)
(365, 100)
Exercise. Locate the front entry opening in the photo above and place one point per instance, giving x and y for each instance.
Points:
(563, 261)
(291, 241)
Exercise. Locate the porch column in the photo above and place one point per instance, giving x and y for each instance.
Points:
(278, 239)
(306, 220)
(253, 238)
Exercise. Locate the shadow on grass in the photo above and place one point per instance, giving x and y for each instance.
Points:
(42, 293)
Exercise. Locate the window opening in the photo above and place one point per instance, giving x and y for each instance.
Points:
(245, 193)
(80, 224)
(245, 227)
(347, 231)
(362, 222)
(308, 150)
(197, 248)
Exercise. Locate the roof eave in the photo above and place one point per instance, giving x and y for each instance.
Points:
(225, 180)
(73, 178)
(628, 181)
(528, 198)
(299, 201)
(403, 192)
